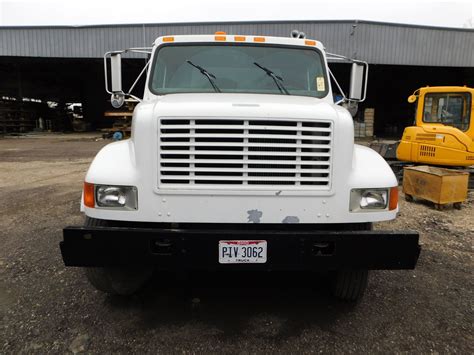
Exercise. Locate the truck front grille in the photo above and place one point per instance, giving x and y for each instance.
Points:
(236, 153)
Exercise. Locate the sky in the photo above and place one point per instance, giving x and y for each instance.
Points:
(443, 13)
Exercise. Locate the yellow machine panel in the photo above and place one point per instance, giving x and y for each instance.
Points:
(444, 131)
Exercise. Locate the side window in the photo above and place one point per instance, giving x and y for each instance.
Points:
(451, 109)
(427, 116)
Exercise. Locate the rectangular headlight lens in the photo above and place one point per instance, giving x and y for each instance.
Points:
(368, 199)
(124, 197)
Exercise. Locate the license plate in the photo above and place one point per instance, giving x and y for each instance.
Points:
(242, 251)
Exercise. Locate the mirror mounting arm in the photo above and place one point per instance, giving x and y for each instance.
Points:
(116, 92)
(365, 65)
(344, 98)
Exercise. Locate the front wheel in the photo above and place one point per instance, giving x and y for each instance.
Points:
(350, 285)
(115, 280)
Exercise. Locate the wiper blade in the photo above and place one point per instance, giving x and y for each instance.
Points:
(208, 75)
(277, 79)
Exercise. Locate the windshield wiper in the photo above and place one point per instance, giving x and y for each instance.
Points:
(208, 75)
(277, 79)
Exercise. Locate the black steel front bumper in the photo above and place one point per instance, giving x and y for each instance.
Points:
(181, 249)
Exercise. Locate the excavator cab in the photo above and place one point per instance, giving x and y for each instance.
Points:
(444, 131)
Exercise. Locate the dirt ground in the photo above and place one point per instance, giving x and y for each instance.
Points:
(48, 308)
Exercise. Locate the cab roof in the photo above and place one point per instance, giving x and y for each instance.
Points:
(222, 37)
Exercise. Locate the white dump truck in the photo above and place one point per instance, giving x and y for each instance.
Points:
(239, 159)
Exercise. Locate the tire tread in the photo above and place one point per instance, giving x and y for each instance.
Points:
(113, 280)
(350, 285)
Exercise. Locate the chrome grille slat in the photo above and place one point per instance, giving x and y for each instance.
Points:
(243, 127)
(249, 135)
(237, 178)
(236, 153)
(238, 144)
(248, 170)
(250, 153)
(231, 161)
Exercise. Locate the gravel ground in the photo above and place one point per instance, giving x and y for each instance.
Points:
(47, 308)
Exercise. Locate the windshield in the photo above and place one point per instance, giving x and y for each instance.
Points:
(238, 68)
(451, 109)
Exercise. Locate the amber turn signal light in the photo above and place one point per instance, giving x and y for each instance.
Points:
(393, 198)
(89, 198)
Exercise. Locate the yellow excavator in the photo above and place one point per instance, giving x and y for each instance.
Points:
(443, 134)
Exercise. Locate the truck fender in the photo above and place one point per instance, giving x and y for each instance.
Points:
(114, 165)
(370, 170)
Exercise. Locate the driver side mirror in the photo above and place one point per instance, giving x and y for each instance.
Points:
(117, 98)
(114, 85)
(357, 87)
(116, 72)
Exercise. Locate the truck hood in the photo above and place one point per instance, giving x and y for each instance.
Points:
(244, 105)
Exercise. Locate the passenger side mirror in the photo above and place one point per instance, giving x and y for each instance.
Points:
(357, 87)
(358, 83)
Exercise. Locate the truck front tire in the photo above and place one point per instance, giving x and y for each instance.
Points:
(350, 285)
(115, 280)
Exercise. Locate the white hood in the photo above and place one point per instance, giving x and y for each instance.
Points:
(244, 105)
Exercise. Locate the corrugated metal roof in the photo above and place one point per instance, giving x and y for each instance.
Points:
(378, 43)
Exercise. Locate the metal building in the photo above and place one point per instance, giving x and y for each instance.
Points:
(378, 43)
(64, 63)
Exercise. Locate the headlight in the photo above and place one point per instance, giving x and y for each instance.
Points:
(368, 199)
(116, 196)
